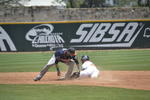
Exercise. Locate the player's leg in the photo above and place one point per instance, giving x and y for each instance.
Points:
(50, 63)
(95, 74)
(85, 74)
(70, 69)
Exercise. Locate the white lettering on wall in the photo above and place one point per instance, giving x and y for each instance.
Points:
(5, 37)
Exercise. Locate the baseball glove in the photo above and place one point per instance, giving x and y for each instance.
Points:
(75, 75)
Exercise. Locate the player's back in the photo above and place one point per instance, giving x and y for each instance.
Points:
(60, 52)
(89, 65)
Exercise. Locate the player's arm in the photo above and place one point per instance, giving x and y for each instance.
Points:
(65, 60)
(78, 66)
(75, 58)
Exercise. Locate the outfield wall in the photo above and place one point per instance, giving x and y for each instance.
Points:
(98, 34)
(44, 14)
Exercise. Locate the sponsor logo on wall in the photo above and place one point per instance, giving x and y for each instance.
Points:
(5, 41)
(43, 36)
(91, 35)
(147, 32)
(107, 34)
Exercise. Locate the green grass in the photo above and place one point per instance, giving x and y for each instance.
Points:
(67, 92)
(104, 59)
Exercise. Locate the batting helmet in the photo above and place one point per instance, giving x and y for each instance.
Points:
(85, 57)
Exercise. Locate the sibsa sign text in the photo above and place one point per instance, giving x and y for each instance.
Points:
(119, 34)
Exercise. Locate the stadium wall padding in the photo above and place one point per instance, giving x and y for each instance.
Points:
(95, 34)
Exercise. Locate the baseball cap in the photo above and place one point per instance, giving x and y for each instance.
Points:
(71, 50)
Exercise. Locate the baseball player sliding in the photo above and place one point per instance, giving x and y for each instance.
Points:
(67, 56)
(88, 69)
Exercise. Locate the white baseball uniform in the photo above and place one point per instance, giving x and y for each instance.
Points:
(89, 70)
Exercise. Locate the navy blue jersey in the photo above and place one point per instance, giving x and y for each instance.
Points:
(60, 53)
(63, 54)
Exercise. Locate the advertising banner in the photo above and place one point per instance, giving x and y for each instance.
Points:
(114, 34)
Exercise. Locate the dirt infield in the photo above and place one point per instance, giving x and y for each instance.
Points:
(121, 79)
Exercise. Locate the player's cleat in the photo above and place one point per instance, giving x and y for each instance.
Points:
(75, 75)
(37, 78)
(61, 78)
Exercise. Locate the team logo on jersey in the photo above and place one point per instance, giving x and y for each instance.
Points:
(5, 41)
(43, 36)
(107, 34)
